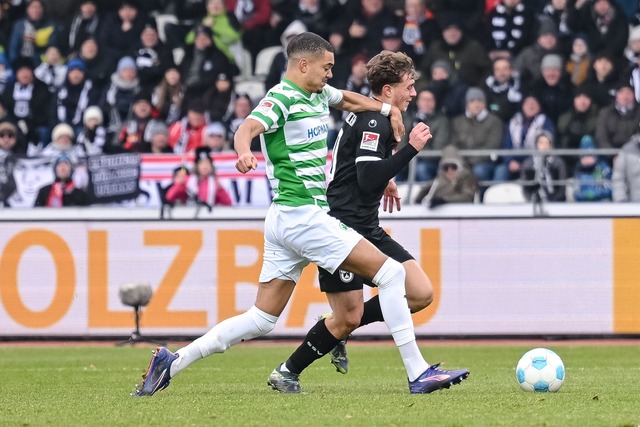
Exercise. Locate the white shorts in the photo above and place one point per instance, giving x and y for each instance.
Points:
(295, 236)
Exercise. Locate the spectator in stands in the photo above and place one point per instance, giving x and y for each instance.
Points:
(93, 136)
(6, 22)
(151, 56)
(215, 138)
(356, 82)
(254, 17)
(454, 183)
(578, 121)
(62, 192)
(465, 55)
(9, 143)
(553, 88)
(626, 172)
(419, 31)
(426, 111)
(603, 80)
(27, 101)
(185, 136)
(510, 29)
(472, 12)
(208, 74)
(52, 71)
(121, 30)
(85, 24)
(75, 95)
(225, 29)
(503, 90)
(604, 24)
(62, 143)
(242, 106)
(133, 137)
(188, 14)
(391, 38)
(579, 62)
(6, 72)
(477, 129)
(313, 14)
(558, 12)
(592, 175)
(98, 66)
(520, 134)
(279, 63)
(544, 169)
(176, 192)
(156, 139)
(203, 186)
(527, 63)
(32, 34)
(446, 87)
(619, 121)
(118, 96)
(168, 96)
(632, 53)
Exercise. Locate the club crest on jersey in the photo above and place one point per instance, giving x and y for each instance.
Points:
(345, 276)
(370, 141)
(373, 123)
(265, 107)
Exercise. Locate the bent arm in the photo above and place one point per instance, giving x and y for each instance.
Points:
(356, 103)
(248, 130)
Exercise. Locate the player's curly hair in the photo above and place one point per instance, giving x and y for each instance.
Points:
(308, 44)
(388, 68)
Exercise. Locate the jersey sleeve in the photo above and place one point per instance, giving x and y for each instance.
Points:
(272, 111)
(374, 163)
(334, 96)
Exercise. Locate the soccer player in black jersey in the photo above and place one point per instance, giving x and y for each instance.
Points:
(361, 176)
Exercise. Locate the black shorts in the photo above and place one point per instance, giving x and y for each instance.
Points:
(342, 280)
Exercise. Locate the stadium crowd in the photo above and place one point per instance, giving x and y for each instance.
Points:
(118, 76)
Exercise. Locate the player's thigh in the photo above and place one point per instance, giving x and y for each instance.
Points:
(274, 295)
(364, 260)
(419, 289)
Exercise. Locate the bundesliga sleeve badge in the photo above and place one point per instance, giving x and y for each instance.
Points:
(370, 141)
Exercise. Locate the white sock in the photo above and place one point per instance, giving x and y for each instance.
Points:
(248, 325)
(393, 302)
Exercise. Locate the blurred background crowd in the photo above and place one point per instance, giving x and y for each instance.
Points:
(81, 78)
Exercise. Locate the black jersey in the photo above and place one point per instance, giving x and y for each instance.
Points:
(363, 164)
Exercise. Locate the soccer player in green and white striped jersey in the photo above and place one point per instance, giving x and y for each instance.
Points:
(292, 122)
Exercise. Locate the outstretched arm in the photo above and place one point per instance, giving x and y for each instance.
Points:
(355, 103)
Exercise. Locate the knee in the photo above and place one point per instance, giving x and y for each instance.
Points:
(263, 321)
(345, 323)
(420, 297)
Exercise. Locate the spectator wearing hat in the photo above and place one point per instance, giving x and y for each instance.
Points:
(391, 38)
(93, 137)
(86, 23)
(156, 138)
(121, 30)
(52, 70)
(62, 192)
(215, 138)
(133, 137)
(592, 175)
(579, 62)
(208, 74)
(151, 56)
(625, 180)
(520, 134)
(632, 51)
(63, 143)
(579, 121)
(119, 95)
(557, 11)
(10, 143)
(465, 55)
(510, 29)
(225, 29)
(553, 88)
(32, 34)
(420, 29)
(185, 136)
(168, 96)
(542, 171)
(477, 129)
(454, 183)
(503, 90)
(604, 24)
(527, 63)
(98, 66)
(448, 90)
(75, 95)
(27, 101)
(618, 121)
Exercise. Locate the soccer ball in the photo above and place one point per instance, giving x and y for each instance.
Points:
(540, 370)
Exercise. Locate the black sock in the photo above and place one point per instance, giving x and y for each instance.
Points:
(372, 312)
(316, 344)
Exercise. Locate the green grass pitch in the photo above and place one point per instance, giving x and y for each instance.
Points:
(68, 385)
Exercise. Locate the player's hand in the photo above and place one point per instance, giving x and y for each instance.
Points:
(419, 136)
(391, 197)
(396, 123)
(246, 162)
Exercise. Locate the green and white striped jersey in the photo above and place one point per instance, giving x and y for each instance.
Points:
(295, 142)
